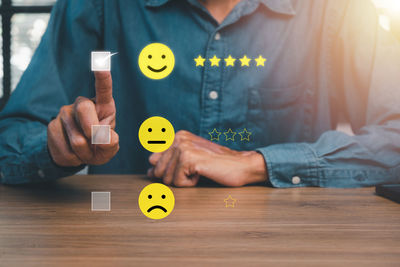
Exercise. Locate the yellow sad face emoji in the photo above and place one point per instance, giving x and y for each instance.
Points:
(156, 201)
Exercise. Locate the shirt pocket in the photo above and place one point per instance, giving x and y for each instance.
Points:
(280, 115)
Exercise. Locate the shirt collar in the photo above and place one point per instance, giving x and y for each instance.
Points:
(155, 3)
(278, 6)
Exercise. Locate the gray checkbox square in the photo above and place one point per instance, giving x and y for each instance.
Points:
(101, 134)
(101, 201)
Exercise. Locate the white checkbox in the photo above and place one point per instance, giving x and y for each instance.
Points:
(101, 134)
(101, 61)
(101, 201)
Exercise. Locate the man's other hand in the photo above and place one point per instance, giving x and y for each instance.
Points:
(69, 134)
(191, 156)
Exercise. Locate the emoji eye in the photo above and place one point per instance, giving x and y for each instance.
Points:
(163, 196)
(163, 130)
(149, 196)
(149, 130)
(163, 56)
(149, 56)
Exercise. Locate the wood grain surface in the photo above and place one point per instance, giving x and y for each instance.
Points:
(53, 225)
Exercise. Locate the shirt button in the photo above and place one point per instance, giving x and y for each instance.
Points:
(296, 180)
(213, 95)
(217, 36)
(40, 173)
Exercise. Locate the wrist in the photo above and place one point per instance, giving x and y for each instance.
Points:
(255, 169)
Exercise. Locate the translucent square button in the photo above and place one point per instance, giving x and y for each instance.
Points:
(101, 61)
(101, 134)
(101, 201)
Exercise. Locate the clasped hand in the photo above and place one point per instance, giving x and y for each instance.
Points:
(188, 158)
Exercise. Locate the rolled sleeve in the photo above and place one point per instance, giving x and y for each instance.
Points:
(291, 165)
(34, 165)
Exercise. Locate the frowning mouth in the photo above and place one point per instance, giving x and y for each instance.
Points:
(156, 70)
(156, 142)
(157, 207)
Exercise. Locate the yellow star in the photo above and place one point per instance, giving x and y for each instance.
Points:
(260, 60)
(200, 61)
(245, 135)
(231, 135)
(229, 202)
(214, 134)
(245, 61)
(214, 61)
(230, 61)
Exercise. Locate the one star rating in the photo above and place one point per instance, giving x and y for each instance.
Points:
(230, 135)
(199, 61)
(244, 135)
(230, 61)
(214, 61)
(214, 135)
(245, 61)
(230, 202)
(260, 61)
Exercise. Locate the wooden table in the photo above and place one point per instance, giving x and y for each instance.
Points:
(53, 225)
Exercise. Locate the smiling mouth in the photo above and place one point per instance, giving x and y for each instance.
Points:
(156, 70)
(156, 142)
(157, 207)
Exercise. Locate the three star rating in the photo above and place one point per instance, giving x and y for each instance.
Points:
(230, 135)
(230, 61)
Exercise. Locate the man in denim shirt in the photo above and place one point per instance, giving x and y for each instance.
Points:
(267, 121)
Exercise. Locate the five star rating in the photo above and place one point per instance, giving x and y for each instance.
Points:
(230, 135)
(231, 61)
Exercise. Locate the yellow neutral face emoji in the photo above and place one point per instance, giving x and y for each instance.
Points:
(156, 61)
(156, 201)
(156, 134)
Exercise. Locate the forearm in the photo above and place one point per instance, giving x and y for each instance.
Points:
(24, 157)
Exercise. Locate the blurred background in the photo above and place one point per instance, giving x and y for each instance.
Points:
(23, 22)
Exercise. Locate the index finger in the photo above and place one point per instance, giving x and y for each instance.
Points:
(103, 84)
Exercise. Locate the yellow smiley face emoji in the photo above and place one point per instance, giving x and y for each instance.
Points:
(156, 61)
(156, 201)
(156, 134)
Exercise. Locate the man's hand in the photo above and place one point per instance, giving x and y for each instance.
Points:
(69, 134)
(191, 156)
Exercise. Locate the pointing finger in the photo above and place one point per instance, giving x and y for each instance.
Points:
(103, 86)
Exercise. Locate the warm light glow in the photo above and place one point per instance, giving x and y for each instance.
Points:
(384, 21)
(390, 7)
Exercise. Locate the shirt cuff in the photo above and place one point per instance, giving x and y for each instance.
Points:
(291, 165)
(36, 165)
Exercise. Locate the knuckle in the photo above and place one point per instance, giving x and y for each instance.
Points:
(78, 142)
(185, 147)
(64, 111)
(181, 135)
(83, 105)
(115, 141)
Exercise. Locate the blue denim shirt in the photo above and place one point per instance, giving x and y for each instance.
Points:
(324, 58)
